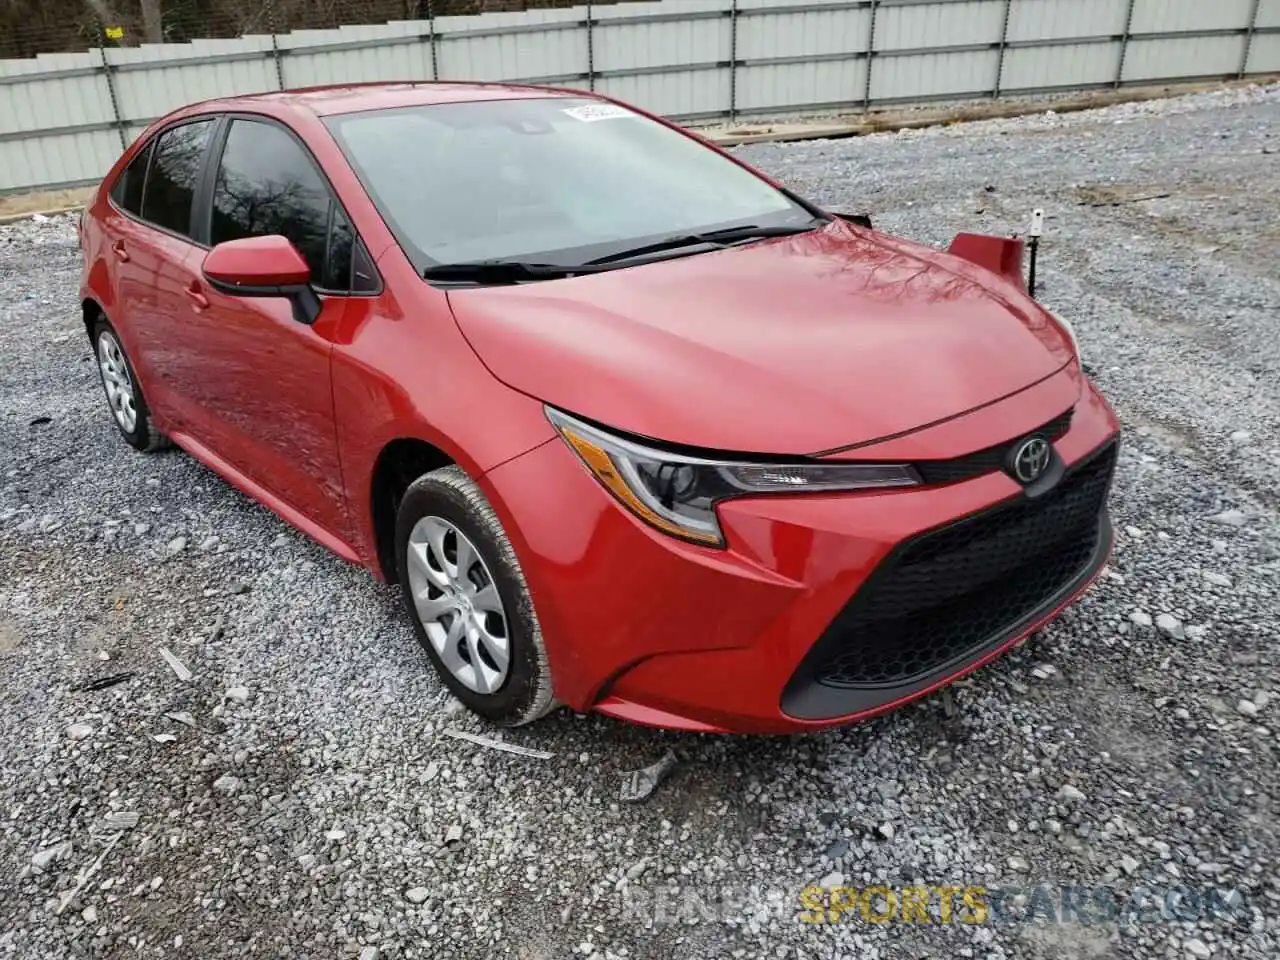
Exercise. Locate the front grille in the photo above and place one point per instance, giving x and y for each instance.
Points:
(945, 595)
(994, 458)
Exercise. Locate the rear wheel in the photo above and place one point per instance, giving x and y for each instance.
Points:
(467, 597)
(124, 394)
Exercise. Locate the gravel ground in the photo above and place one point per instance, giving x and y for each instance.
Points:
(297, 797)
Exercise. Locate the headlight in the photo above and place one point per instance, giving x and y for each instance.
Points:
(678, 494)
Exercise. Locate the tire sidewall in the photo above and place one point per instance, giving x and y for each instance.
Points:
(508, 705)
(138, 437)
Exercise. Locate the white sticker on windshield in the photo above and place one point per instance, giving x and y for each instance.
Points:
(598, 111)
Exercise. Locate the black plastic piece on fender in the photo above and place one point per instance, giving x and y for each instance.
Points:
(861, 219)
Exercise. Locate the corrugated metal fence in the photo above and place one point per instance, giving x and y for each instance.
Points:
(64, 118)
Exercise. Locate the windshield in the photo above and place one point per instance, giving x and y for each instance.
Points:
(549, 179)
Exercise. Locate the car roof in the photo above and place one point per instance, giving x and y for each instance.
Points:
(354, 97)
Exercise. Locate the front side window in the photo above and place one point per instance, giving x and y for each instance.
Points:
(347, 264)
(127, 191)
(174, 174)
(266, 184)
(556, 179)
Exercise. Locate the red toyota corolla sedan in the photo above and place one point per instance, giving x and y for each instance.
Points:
(634, 428)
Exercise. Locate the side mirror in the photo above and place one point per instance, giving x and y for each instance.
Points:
(268, 266)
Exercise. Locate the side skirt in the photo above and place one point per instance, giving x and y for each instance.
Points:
(262, 495)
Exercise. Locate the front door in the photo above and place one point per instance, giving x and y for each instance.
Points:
(263, 383)
(264, 391)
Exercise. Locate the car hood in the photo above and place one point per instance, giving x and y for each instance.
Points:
(796, 345)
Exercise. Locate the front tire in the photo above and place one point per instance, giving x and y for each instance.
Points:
(124, 394)
(467, 597)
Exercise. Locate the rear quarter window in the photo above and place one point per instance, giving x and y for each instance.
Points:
(127, 190)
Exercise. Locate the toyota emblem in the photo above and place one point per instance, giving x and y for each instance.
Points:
(1032, 459)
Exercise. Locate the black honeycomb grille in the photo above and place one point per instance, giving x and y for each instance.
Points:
(994, 458)
(949, 593)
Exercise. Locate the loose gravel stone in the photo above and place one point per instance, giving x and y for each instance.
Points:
(347, 790)
(42, 860)
(1070, 793)
(228, 784)
(1230, 518)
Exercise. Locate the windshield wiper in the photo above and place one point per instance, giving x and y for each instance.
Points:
(516, 271)
(715, 238)
(503, 271)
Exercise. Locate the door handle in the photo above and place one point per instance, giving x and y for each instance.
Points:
(118, 249)
(198, 299)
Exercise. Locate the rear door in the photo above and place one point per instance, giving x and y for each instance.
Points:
(260, 377)
(155, 259)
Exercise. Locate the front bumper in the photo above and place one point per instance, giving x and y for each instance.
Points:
(824, 609)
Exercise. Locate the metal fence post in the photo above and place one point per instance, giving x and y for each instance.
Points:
(275, 46)
(111, 87)
(431, 38)
(1004, 40)
(1248, 39)
(733, 61)
(1124, 44)
(591, 48)
(871, 56)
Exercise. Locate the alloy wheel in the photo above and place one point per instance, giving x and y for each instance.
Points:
(117, 381)
(458, 603)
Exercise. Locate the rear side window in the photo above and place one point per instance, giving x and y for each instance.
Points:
(266, 184)
(127, 192)
(174, 175)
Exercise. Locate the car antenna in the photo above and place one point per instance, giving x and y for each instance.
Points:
(1037, 227)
